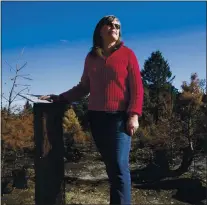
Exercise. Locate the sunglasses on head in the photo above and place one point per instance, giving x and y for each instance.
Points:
(117, 26)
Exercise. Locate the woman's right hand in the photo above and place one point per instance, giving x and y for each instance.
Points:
(132, 124)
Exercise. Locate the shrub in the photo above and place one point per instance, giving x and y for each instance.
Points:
(17, 131)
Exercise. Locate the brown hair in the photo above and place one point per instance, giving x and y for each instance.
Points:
(97, 48)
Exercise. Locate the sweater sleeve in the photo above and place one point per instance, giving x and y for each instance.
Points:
(135, 86)
(81, 89)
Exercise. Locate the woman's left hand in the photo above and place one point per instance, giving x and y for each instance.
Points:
(132, 124)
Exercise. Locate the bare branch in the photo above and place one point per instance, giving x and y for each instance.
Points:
(4, 97)
(27, 78)
(21, 54)
(14, 83)
(18, 99)
(18, 93)
(23, 75)
(9, 66)
(21, 84)
(22, 66)
(22, 51)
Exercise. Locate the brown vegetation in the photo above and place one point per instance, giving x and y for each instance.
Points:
(72, 128)
(17, 131)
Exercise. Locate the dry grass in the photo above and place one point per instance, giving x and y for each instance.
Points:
(17, 131)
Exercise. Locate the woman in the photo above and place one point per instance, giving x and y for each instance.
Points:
(112, 77)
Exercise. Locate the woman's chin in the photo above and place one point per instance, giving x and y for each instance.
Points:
(113, 38)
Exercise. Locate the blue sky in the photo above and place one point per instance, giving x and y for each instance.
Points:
(56, 37)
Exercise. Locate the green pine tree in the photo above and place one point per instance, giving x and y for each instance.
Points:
(157, 78)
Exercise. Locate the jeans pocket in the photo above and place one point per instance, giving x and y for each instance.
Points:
(121, 123)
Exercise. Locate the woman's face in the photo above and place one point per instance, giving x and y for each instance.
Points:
(110, 30)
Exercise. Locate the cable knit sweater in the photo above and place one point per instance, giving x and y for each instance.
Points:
(114, 83)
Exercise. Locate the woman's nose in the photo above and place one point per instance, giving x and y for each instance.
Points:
(113, 26)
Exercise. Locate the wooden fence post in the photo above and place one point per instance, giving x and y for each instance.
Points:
(49, 153)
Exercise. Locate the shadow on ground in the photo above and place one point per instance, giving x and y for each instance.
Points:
(187, 189)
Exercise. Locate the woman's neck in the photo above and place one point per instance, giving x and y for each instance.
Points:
(108, 47)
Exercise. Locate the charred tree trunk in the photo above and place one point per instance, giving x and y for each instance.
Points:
(161, 160)
(188, 152)
(49, 154)
(185, 164)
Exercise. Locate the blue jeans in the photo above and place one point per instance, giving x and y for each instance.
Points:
(109, 134)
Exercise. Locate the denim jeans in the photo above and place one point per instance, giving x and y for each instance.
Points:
(109, 134)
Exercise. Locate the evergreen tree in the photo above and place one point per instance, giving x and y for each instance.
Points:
(157, 78)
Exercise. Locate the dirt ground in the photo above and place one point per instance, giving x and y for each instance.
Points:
(86, 183)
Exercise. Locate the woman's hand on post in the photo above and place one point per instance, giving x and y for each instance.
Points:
(132, 124)
(44, 97)
(51, 98)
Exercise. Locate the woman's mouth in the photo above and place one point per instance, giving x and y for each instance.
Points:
(113, 32)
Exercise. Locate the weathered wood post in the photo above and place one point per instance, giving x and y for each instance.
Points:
(49, 153)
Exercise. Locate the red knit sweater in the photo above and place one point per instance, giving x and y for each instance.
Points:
(114, 83)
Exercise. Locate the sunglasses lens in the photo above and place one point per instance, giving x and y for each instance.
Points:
(117, 26)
